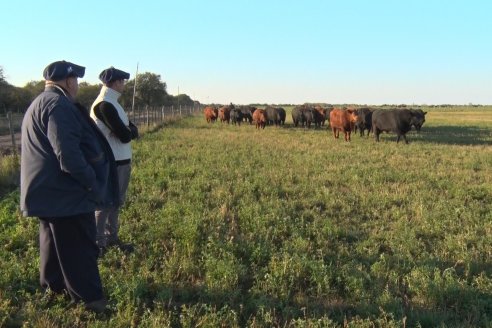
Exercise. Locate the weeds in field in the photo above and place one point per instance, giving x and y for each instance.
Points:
(9, 173)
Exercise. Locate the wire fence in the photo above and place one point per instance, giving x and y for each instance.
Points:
(154, 115)
(148, 116)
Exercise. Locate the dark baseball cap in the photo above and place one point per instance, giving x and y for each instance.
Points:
(113, 74)
(60, 70)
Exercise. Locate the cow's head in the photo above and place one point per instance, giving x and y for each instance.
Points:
(352, 115)
(418, 118)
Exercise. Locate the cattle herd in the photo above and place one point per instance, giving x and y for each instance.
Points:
(346, 120)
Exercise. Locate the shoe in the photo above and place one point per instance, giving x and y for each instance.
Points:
(124, 247)
(98, 306)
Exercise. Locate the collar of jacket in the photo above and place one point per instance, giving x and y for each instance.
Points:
(59, 90)
(110, 94)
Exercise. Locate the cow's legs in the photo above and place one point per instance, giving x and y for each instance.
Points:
(376, 134)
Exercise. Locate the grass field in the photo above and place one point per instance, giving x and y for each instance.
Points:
(286, 227)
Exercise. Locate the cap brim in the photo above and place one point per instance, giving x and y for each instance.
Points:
(78, 71)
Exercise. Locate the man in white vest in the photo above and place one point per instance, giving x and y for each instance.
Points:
(112, 120)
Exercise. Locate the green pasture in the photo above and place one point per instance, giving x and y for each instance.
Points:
(286, 227)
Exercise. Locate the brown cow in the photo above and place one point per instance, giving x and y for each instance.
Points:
(259, 117)
(210, 114)
(342, 120)
(225, 114)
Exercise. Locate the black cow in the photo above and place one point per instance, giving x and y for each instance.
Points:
(272, 115)
(309, 116)
(364, 120)
(399, 121)
(236, 116)
(297, 115)
(304, 115)
(421, 115)
(321, 114)
(247, 113)
(281, 115)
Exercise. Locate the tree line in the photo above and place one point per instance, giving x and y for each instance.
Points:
(150, 91)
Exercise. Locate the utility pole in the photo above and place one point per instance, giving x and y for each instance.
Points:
(134, 89)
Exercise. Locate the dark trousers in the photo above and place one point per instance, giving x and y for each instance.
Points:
(68, 256)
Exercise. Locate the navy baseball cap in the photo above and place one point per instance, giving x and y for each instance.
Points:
(60, 70)
(113, 74)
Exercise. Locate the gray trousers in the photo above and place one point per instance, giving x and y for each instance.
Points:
(107, 221)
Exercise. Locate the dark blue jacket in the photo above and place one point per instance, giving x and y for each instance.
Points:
(67, 166)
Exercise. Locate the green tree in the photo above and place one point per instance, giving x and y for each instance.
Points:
(15, 98)
(20, 99)
(4, 92)
(88, 93)
(127, 96)
(34, 88)
(150, 91)
(182, 100)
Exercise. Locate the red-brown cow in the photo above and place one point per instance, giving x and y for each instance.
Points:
(210, 114)
(342, 120)
(259, 118)
(225, 114)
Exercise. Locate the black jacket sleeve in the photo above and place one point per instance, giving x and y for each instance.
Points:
(106, 112)
(134, 130)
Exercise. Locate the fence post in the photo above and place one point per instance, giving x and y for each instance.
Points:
(12, 134)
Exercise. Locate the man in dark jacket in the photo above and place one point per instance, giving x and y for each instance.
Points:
(67, 171)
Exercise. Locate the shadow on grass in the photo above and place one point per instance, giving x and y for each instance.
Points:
(446, 134)
(248, 305)
(459, 307)
(456, 135)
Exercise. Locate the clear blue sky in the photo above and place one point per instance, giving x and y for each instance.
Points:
(346, 51)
